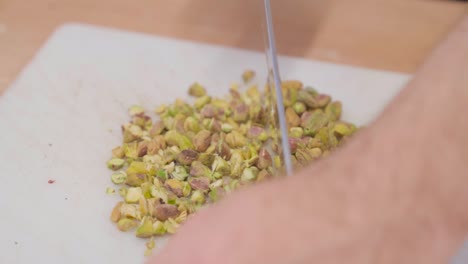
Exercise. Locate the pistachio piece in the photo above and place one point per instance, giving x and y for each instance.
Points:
(192, 124)
(133, 195)
(291, 84)
(157, 129)
(156, 144)
(206, 159)
(142, 148)
(136, 110)
(312, 122)
(235, 139)
(308, 99)
(180, 173)
(171, 226)
(198, 169)
(197, 90)
(115, 164)
(118, 152)
(299, 108)
(165, 211)
(264, 159)
(249, 174)
(202, 140)
(182, 217)
(145, 230)
(323, 100)
(135, 179)
(110, 190)
(201, 183)
(198, 197)
(173, 138)
(343, 129)
(221, 166)
(129, 211)
(333, 111)
(186, 189)
(158, 228)
(175, 186)
(132, 133)
(126, 224)
(296, 132)
(257, 132)
(115, 214)
(202, 101)
(247, 76)
(292, 118)
(187, 156)
(226, 128)
(118, 177)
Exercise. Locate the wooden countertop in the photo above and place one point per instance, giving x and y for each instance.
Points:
(392, 35)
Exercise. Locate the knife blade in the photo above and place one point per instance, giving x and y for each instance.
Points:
(274, 80)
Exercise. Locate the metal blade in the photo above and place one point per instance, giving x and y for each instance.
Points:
(274, 80)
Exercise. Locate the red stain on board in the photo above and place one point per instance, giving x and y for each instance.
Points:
(51, 181)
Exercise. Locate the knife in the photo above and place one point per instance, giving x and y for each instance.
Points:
(275, 81)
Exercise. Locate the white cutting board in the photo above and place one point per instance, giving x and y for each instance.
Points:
(61, 117)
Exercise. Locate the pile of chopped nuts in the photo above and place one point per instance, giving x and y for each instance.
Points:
(196, 153)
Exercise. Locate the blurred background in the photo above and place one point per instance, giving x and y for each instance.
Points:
(391, 35)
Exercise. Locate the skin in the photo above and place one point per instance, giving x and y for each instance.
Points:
(396, 193)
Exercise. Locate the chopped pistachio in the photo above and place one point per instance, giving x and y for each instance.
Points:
(129, 211)
(118, 177)
(222, 166)
(135, 179)
(115, 164)
(226, 127)
(145, 230)
(197, 90)
(292, 84)
(201, 183)
(176, 139)
(313, 122)
(212, 147)
(292, 118)
(165, 211)
(296, 132)
(186, 189)
(187, 156)
(171, 226)
(133, 195)
(180, 173)
(235, 139)
(333, 111)
(123, 192)
(175, 186)
(126, 224)
(343, 129)
(118, 152)
(182, 217)
(206, 159)
(116, 215)
(198, 197)
(247, 76)
(136, 110)
(110, 190)
(192, 124)
(198, 169)
(249, 174)
(202, 101)
(264, 159)
(299, 108)
(158, 228)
